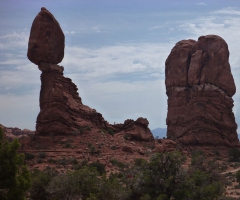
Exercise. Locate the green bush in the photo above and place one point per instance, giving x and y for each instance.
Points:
(110, 131)
(29, 156)
(15, 178)
(238, 176)
(42, 154)
(234, 155)
(40, 182)
(74, 161)
(126, 137)
(39, 160)
(51, 160)
(117, 163)
(99, 166)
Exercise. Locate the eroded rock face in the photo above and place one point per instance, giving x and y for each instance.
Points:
(61, 108)
(135, 130)
(200, 87)
(46, 41)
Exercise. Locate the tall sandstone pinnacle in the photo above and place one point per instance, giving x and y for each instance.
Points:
(61, 108)
(200, 86)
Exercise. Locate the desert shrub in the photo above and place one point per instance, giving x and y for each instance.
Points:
(139, 162)
(160, 176)
(234, 155)
(42, 155)
(74, 161)
(70, 141)
(197, 158)
(67, 145)
(39, 160)
(126, 136)
(92, 149)
(145, 197)
(112, 188)
(110, 131)
(62, 161)
(33, 137)
(238, 176)
(15, 178)
(117, 163)
(113, 147)
(81, 130)
(51, 160)
(29, 156)
(79, 184)
(88, 128)
(99, 166)
(40, 182)
(76, 167)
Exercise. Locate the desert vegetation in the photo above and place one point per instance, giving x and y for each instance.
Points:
(162, 177)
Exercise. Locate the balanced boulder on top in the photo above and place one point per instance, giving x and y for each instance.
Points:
(46, 41)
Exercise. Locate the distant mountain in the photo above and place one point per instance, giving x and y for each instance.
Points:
(160, 132)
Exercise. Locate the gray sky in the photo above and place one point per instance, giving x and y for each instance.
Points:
(115, 52)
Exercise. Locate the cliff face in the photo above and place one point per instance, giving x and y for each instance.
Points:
(200, 87)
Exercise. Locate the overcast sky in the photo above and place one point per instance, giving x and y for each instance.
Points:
(115, 52)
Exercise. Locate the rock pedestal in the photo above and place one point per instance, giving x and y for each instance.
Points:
(200, 87)
(61, 108)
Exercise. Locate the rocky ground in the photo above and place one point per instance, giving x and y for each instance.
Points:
(114, 151)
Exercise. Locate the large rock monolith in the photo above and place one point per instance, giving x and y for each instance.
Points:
(200, 87)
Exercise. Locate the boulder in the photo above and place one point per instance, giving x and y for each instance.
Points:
(135, 130)
(200, 86)
(127, 148)
(46, 41)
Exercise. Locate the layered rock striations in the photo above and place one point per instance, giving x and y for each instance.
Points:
(61, 108)
(135, 130)
(200, 87)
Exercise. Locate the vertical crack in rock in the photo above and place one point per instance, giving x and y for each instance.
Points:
(200, 101)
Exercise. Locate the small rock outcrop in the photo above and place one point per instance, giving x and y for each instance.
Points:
(135, 130)
(200, 87)
(61, 108)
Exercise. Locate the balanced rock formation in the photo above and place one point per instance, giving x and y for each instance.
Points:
(46, 41)
(61, 108)
(200, 87)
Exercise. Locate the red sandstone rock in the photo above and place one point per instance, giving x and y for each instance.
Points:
(127, 148)
(46, 41)
(61, 108)
(200, 87)
(164, 145)
(135, 130)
